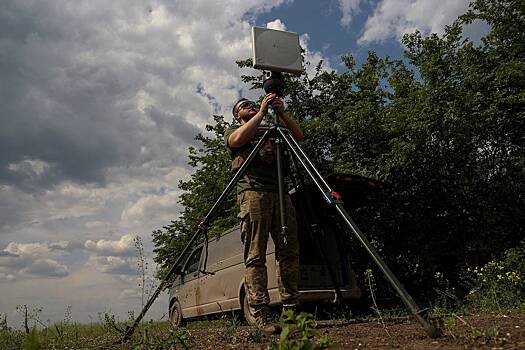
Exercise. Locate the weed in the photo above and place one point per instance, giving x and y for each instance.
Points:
(233, 323)
(3, 322)
(150, 340)
(142, 266)
(370, 280)
(32, 341)
(109, 322)
(28, 315)
(255, 337)
(299, 332)
(446, 294)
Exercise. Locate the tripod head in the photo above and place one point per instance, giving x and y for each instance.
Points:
(274, 83)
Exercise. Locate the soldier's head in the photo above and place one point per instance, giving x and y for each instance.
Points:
(243, 110)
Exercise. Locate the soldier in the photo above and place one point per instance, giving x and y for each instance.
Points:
(257, 195)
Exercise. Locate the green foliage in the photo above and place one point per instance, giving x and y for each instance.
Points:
(499, 284)
(446, 295)
(299, 332)
(149, 335)
(32, 342)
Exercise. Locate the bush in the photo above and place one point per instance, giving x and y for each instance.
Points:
(499, 284)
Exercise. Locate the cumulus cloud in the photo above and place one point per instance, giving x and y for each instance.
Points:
(276, 24)
(125, 246)
(348, 9)
(394, 18)
(29, 251)
(32, 259)
(7, 277)
(163, 206)
(45, 267)
(4, 253)
(130, 293)
(43, 259)
(113, 265)
(91, 85)
(313, 57)
(115, 257)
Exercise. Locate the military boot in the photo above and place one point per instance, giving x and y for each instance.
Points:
(264, 321)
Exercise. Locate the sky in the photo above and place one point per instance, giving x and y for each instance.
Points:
(99, 104)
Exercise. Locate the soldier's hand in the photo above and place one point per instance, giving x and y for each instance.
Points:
(267, 100)
(278, 104)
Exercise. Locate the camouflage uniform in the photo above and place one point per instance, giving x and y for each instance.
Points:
(258, 199)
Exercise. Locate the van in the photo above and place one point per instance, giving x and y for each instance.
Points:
(212, 278)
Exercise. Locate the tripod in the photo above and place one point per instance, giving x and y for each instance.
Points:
(283, 138)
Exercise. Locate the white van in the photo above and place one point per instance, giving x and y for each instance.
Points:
(220, 287)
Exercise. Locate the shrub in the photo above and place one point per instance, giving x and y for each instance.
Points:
(499, 284)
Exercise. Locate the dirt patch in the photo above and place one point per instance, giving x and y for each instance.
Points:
(478, 331)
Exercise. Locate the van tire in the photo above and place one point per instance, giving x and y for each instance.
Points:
(176, 314)
(246, 311)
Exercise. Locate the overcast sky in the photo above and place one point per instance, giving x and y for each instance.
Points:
(100, 101)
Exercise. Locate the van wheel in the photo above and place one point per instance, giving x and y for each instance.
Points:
(176, 314)
(246, 309)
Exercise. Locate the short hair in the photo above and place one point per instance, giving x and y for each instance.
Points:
(235, 104)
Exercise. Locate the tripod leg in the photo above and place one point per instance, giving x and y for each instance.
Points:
(327, 191)
(280, 177)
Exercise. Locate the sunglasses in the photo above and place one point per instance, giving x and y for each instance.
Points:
(246, 105)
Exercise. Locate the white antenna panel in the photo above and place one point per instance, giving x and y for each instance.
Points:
(276, 50)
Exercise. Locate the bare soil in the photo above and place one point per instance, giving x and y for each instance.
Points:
(503, 330)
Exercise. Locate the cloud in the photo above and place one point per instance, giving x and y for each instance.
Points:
(4, 253)
(45, 268)
(91, 85)
(7, 277)
(130, 293)
(32, 260)
(42, 259)
(348, 9)
(163, 206)
(113, 265)
(29, 251)
(276, 24)
(125, 246)
(313, 57)
(394, 18)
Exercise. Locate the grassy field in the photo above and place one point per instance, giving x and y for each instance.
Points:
(482, 330)
(491, 316)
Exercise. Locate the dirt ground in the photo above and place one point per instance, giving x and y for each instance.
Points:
(475, 331)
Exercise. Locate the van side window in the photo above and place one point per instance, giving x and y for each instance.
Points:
(192, 265)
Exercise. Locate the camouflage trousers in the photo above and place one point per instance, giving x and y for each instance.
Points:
(260, 218)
